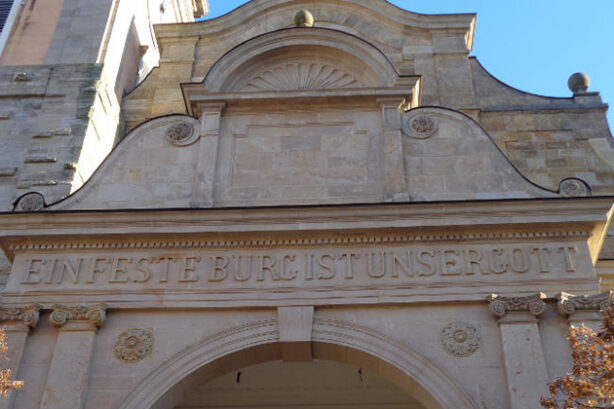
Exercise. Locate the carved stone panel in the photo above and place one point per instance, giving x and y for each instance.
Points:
(315, 156)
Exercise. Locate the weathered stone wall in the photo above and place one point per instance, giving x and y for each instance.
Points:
(548, 139)
(44, 111)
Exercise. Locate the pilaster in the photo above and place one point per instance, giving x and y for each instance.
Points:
(68, 373)
(394, 167)
(17, 323)
(584, 309)
(211, 116)
(525, 365)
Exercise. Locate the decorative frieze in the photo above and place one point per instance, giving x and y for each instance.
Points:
(27, 315)
(134, 345)
(533, 304)
(460, 339)
(568, 303)
(94, 315)
(333, 240)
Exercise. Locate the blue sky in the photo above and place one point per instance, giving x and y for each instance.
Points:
(533, 45)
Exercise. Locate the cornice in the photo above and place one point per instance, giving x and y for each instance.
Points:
(309, 225)
(291, 242)
(581, 212)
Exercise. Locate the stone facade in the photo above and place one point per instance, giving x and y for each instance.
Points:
(356, 198)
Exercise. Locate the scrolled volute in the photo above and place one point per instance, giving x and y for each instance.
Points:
(28, 315)
(569, 303)
(94, 314)
(533, 304)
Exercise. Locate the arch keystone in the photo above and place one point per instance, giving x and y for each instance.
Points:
(295, 328)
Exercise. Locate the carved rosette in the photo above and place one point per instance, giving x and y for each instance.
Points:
(134, 345)
(574, 187)
(418, 127)
(532, 304)
(27, 315)
(94, 314)
(460, 339)
(30, 202)
(569, 303)
(181, 134)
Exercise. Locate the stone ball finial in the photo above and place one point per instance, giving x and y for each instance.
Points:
(579, 82)
(303, 19)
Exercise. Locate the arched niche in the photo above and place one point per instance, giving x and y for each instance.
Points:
(302, 67)
(332, 340)
(340, 50)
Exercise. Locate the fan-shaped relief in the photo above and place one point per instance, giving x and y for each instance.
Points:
(302, 75)
(301, 59)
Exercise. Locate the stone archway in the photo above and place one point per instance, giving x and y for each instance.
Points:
(333, 340)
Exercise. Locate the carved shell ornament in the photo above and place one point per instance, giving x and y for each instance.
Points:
(574, 187)
(134, 345)
(460, 339)
(419, 126)
(181, 134)
(30, 202)
(302, 75)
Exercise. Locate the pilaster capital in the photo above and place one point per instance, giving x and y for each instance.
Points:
(532, 304)
(568, 304)
(92, 316)
(27, 315)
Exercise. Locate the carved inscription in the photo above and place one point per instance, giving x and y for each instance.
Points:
(409, 264)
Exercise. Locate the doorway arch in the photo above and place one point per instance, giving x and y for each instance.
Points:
(333, 340)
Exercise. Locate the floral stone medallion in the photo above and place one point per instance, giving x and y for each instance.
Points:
(134, 345)
(418, 127)
(181, 134)
(460, 339)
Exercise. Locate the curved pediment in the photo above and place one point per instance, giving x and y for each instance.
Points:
(299, 58)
